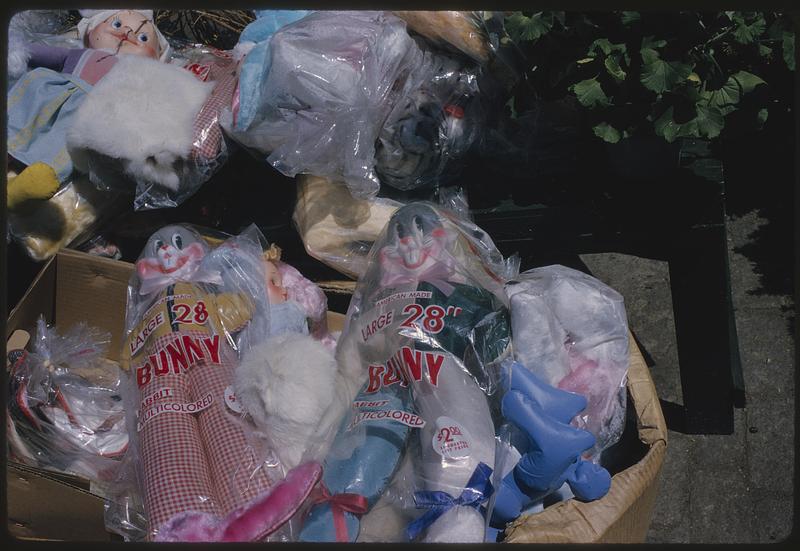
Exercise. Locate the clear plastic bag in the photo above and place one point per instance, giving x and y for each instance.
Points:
(164, 140)
(424, 332)
(431, 127)
(201, 470)
(333, 78)
(167, 140)
(187, 306)
(571, 330)
(65, 412)
(66, 219)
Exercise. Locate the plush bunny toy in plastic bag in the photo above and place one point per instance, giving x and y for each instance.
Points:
(187, 306)
(422, 328)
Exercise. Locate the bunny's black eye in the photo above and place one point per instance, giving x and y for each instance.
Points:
(157, 245)
(177, 240)
(401, 231)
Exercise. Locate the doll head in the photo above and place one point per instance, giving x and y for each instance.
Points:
(172, 251)
(124, 32)
(276, 292)
(416, 240)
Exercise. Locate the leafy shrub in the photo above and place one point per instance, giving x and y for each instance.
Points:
(677, 74)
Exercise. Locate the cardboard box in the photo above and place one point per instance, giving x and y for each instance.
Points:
(72, 287)
(75, 286)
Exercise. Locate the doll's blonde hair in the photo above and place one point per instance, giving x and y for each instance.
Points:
(273, 254)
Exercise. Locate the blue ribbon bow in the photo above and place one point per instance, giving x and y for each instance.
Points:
(479, 489)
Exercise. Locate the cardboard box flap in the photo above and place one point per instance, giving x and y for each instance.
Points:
(622, 515)
(93, 292)
(36, 509)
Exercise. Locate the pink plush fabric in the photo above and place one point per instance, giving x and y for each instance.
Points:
(251, 522)
(311, 299)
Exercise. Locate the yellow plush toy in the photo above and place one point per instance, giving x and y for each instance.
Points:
(38, 182)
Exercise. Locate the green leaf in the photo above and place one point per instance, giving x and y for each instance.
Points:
(725, 99)
(659, 75)
(666, 127)
(764, 50)
(590, 93)
(649, 55)
(788, 49)
(710, 121)
(613, 68)
(747, 81)
(651, 42)
(607, 47)
(529, 29)
(745, 33)
(629, 17)
(607, 132)
(762, 116)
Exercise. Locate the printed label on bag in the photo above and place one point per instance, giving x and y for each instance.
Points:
(230, 400)
(407, 418)
(451, 439)
(174, 407)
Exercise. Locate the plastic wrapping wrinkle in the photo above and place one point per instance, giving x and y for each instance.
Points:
(64, 408)
(330, 85)
(571, 330)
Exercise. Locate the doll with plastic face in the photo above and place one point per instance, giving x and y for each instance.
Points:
(286, 316)
(53, 83)
(126, 32)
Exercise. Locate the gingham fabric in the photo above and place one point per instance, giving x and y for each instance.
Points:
(195, 461)
(176, 473)
(207, 132)
(230, 459)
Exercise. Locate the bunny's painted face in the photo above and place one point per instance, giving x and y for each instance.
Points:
(126, 32)
(417, 234)
(169, 250)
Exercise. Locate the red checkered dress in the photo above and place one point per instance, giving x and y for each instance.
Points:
(197, 461)
(207, 132)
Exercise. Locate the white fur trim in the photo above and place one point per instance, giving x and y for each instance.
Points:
(288, 386)
(142, 113)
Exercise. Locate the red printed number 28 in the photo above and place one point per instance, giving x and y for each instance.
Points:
(183, 313)
(432, 317)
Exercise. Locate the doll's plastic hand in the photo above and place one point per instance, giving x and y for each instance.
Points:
(552, 456)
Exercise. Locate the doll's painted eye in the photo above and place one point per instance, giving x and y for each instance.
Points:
(401, 231)
(143, 37)
(157, 245)
(418, 222)
(116, 23)
(177, 241)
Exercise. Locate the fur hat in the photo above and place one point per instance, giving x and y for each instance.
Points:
(92, 18)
